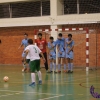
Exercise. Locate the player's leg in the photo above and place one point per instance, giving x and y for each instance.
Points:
(28, 64)
(71, 60)
(69, 65)
(54, 61)
(51, 64)
(38, 71)
(23, 62)
(64, 62)
(32, 69)
(59, 65)
(46, 63)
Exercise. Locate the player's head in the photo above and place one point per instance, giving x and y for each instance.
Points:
(60, 36)
(30, 41)
(25, 35)
(51, 39)
(40, 35)
(69, 36)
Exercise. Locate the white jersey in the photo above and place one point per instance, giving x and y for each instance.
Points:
(34, 52)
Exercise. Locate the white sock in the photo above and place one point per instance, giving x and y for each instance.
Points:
(64, 66)
(24, 65)
(71, 66)
(33, 77)
(51, 65)
(54, 66)
(39, 75)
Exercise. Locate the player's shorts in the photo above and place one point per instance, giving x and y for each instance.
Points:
(52, 57)
(23, 54)
(27, 61)
(61, 55)
(35, 65)
(70, 55)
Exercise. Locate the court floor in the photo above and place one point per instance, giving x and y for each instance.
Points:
(62, 86)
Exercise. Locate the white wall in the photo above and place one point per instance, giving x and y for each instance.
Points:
(53, 19)
(49, 20)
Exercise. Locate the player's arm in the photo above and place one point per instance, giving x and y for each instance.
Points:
(71, 49)
(68, 42)
(42, 57)
(21, 45)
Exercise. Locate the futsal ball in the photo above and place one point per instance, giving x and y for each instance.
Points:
(6, 78)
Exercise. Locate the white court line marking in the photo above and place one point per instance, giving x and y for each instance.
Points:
(6, 95)
(74, 80)
(66, 78)
(51, 97)
(30, 92)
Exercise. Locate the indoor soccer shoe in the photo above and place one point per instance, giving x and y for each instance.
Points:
(32, 84)
(59, 71)
(40, 82)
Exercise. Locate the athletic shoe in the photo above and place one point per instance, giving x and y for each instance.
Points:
(50, 71)
(71, 71)
(55, 72)
(24, 69)
(59, 71)
(40, 82)
(65, 71)
(68, 71)
(47, 71)
(32, 84)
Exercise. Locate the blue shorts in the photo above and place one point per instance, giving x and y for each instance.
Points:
(61, 55)
(52, 57)
(70, 55)
(23, 54)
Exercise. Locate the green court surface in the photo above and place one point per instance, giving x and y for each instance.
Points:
(62, 86)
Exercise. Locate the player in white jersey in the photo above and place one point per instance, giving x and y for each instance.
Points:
(33, 51)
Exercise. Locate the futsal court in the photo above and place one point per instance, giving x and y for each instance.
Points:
(67, 32)
(62, 86)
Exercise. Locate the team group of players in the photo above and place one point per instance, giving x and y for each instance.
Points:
(32, 54)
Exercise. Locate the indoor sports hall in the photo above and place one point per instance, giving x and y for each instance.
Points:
(29, 18)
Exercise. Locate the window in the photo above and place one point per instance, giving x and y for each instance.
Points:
(70, 6)
(46, 7)
(4, 11)
(26, 9)
(89, 6)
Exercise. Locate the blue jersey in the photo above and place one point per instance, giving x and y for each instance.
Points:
(61, 44)
(25, 43)
(52, 49)
(69, 46)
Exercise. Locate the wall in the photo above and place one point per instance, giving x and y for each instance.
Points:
(11, 38)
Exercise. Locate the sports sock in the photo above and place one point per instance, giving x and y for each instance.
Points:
(39, 75)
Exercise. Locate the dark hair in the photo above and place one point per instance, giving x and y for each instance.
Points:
(30, 41)
(70, 35)
(25, 34)
(60, 34)
(51, 38)
(40, 34)
(0, 41)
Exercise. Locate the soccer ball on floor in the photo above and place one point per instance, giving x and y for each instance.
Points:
(5, 79)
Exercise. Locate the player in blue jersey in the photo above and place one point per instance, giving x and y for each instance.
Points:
(24, 44)
(61, 52)
(69, 52)
(52, 54)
